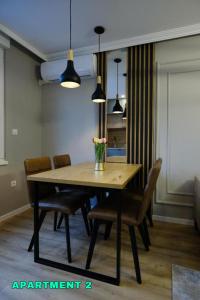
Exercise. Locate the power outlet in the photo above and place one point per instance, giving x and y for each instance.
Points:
(14, 131)
(13, 183)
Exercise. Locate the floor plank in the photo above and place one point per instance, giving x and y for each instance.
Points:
(171, 244)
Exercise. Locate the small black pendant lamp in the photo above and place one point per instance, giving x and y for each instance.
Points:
(117, 108)
(69, 78)
(99, 96)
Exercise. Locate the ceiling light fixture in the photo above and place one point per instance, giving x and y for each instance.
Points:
(117, 108)
(99, 96)
(69, 78)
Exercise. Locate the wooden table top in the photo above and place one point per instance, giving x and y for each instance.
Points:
(115, 175)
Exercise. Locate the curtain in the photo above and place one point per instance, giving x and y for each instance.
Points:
(140, 102)
(101, 62)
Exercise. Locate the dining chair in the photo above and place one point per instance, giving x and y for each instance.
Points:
(64, 160)
(50, 200)
(137, 195)
(133, 215)
(60, 161)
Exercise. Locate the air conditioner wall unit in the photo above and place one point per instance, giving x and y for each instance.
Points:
(85, 66)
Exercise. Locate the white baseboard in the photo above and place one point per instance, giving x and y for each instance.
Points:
(173, 220)
(14, 212)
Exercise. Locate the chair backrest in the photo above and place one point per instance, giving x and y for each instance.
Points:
(34, 166)
(61, 161)
(149, 188)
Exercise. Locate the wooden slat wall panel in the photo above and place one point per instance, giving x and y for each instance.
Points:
(101, 60)
(140, 108)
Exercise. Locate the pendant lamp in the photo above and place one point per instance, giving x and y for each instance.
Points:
(117, 108)
(99, 96)
(69, 78)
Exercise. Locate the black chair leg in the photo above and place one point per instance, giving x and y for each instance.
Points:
(55, 220)
(41, 219)
(143, 235)
(135, 253)
(92, 243)
(108, 230)
(84, 214)
(88, 207)
(60, 221)
(149, 215)
(146, 231)
(68, 238)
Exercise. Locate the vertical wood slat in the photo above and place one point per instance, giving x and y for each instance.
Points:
(101, 60)
(140, 108)
(129, 107)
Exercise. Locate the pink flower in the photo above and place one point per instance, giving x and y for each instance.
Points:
(99, 141)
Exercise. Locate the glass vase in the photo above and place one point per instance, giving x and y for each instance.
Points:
(99, 157)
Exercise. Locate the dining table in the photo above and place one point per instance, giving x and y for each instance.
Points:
(114, 178)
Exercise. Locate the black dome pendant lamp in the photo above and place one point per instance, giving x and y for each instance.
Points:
(99, 96)
(117, 108)
(69, 78)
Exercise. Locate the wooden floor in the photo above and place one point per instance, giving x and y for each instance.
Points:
(171, 244)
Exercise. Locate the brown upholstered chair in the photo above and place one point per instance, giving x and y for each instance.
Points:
(136, 194)
(50, 200)
(139, 194)
(60, 161)
(133, 214)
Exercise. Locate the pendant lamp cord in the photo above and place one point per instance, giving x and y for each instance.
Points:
(98, 65)
(70, 24)
(117, 80)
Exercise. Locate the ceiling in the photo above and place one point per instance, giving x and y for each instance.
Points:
(44, 23)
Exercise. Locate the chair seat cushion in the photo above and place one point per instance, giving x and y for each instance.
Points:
(107, 210)
(65, 202)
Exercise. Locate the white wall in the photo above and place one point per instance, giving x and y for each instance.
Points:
(178, 126)
(70, 120)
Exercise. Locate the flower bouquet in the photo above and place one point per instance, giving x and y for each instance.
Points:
(100, 145)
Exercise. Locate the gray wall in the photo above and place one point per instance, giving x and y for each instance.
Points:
(22, 111)
(70, 121)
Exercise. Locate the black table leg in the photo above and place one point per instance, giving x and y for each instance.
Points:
(118, 237)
